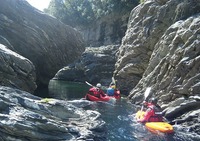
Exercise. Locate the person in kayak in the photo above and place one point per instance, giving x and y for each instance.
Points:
(111, 90)
(153, 112)
(97, 91)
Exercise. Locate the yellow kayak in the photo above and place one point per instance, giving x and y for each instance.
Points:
(156, 127)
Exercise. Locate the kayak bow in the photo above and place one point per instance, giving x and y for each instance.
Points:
(156, 127)
(94, 98)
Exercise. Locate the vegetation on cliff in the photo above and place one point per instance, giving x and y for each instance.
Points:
(76, 12)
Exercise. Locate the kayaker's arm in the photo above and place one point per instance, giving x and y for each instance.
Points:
(102, 94)
(146, 117)
(147, 104)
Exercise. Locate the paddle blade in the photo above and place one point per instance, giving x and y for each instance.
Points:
(147, 92)
(113, 80)
(89, 84)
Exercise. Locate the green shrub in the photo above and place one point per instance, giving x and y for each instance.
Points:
(80, 12)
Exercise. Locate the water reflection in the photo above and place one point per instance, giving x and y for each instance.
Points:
(67, 90)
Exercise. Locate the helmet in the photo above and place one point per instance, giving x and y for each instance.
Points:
(113, 86)
(98, 85)
(153, 100)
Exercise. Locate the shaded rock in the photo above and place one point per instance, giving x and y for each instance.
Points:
(16, 71)
(27, 117)
(44, 40)
(108, 30)
(95, 65)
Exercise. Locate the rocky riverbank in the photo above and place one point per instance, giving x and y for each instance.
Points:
(160, 49)
(27, 117)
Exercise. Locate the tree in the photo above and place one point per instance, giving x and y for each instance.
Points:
(82, 12)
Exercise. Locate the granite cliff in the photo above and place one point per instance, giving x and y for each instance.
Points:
(46, 42)
(103, 38)
(33, 47)
(161, 50)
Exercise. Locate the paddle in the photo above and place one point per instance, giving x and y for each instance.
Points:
(113, 80)
(146, 94)
(89, 84)
(111, 99)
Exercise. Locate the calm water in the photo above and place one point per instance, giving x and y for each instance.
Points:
(118, 115)
(67, 90)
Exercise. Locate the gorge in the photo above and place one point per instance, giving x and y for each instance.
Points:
(158, 48)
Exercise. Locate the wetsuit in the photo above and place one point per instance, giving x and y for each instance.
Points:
(152, 114)
(96, 92)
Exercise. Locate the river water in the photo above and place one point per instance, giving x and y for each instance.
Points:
(118, 115)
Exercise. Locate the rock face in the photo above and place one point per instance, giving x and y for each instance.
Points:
(44, 40)
(102, 37)
(161, 50)
(147, 23)
(27, 117)
(95, 65)
(173, 72)
(16, 71)
(108, 30)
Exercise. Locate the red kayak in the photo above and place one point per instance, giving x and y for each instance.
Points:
(94, 98)
(91, 97)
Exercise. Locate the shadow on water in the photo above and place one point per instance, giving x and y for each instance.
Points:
(118, 115)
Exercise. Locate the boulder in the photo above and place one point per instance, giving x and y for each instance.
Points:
(95, 65)
(28, 117)
(44, 40)
(16, 71)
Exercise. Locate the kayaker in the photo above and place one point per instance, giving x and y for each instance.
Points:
(100, 91)
(153, 113)
(97, 91)
(111, 90)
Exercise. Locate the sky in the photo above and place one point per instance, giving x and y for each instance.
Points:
(39, 4)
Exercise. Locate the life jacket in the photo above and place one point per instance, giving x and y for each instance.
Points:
(117, 93)
(96, 92)
(155, 114)
(110, 91)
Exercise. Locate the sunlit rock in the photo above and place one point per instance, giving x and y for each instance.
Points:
(16, 71)
(27, 117)
(173, 70)
(147, 24)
